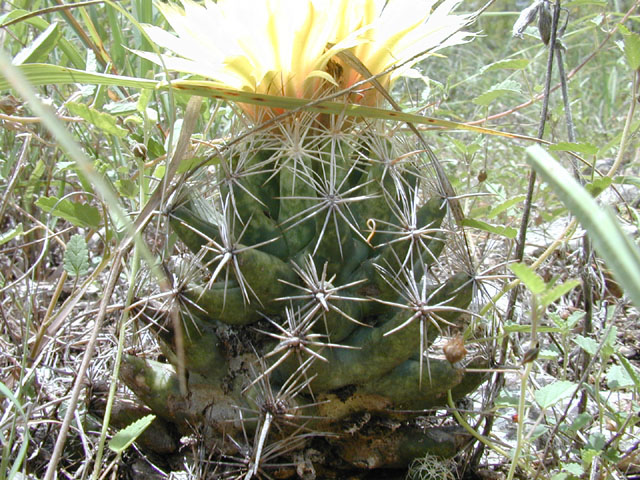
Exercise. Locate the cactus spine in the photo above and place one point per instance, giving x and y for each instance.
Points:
(320, 246)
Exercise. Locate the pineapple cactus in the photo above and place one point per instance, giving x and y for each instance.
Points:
(322, 280)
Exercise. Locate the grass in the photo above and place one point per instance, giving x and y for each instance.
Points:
(68, 307)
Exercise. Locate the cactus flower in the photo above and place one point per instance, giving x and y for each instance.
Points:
(288, 47)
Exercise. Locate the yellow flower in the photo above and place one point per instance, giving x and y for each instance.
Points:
(400, 31)
(288, 47)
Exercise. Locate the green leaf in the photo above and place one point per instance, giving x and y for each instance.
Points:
(531, 279)
(125, 437)
(22, 453)
(551, 394)
(633, 374)
(127, 188)
(501, 207)
(614, 246)
(598, 186)
(558, 291)
(618, 377)
(79, 214)
(573, 468)
(504, 88)
(37, 21)
(582, 420)
(76, 256)
(597, 441)
(190, 163)
(588, 454)
(627, 180)
(45, 74)
(575, 3)
(503, 231)
(11, 234)
(511, 327)
(143, 100)
(589, 345)
(585, 148)
(105, 122)
(40, 47)
(508, 64)
(631, 47)
(507, 400)
(609, 343)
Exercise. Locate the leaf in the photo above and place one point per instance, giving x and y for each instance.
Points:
(558, 291)
(508, 64)
(614, 246)
(588, 454)
(511, 327)
(40, 47)
(598, 186)
(589, 345)
(574, 469)
(45, 74)
(506, 87)
(25, 440)
(189, 164)
(11, 234)
(633, 374)
(618, 377)
(127, 188)
(125, 437)
(582, 420)
(597, 441)
(627, 180)
(105, 122)
(76, 256)
(503, 231)
(585, 148)
(551, 394)
(501, 207)
(609, 343)
(631, 47)
(531, 279)
(575, 3)
(79, 214)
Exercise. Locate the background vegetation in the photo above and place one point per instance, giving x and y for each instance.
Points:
(571, 412)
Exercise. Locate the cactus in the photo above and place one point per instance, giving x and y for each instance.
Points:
(316, 302)
(321, 239)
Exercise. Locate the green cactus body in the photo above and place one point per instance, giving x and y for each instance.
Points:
(202, 350)
(360, 360)
(319, 249)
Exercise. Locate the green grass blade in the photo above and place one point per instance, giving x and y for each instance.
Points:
(4, 391)
(613, 245)
(45, 74)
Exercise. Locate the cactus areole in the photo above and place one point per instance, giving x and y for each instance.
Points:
(320, 273)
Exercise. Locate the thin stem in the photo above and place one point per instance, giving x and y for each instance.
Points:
(521, 420)
(472, 431)
(86, 359)
(522, 233)
(587, 285)
(135, 266)
(536, 312)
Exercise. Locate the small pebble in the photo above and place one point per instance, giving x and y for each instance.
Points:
(628, 352)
